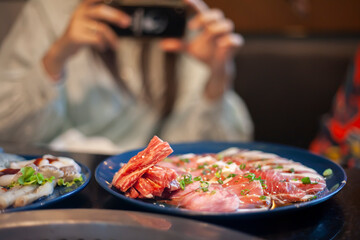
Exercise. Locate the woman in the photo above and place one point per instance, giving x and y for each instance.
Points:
(64, 70)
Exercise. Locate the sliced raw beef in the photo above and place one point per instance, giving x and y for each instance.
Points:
(180, 171)
(254, 202)
(147, 188)
(280, 189)
(215, 199)
(132, 193)
(177, 196)
(129, 174)
(250, 192)
(244, 186)
(153, 183)
(315, 183)
(162, 176)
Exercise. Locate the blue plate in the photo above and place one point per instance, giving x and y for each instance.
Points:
(59, 193)
(106, 170)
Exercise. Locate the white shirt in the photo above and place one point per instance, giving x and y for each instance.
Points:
(35, 110)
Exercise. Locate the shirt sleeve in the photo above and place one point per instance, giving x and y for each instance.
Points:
(196, 118)
(28, 97)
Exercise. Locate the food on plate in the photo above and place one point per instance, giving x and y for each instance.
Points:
(23, 182)
(139, 178)
(233, 180)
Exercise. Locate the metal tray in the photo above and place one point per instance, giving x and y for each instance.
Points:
(76, 224)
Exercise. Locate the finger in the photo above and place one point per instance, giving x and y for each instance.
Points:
(197, 5)
(228, 45)
(172, 44)
(219, 28)
(96, 41)
(109, 14)
(231, 41)
(105, 32)
(108, 35)
(207, 17)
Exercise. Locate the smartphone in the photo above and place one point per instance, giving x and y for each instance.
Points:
(152, 18)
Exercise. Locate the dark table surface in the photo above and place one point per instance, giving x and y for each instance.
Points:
(336, 218)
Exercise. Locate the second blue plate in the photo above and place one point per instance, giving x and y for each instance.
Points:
(60, 193)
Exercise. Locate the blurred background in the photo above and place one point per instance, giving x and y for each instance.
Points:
(295, 56)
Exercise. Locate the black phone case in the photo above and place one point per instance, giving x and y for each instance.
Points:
(153, 21)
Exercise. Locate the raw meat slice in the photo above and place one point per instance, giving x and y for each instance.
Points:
(315, 186)
(132, 193)
(250, 192)
(243, 186)
(130, 173)
(178, 170)
(147, 188)
(161, 175)
(254, 201)
(153, 183)
(216, 199)
(179, 195)
(279, 188)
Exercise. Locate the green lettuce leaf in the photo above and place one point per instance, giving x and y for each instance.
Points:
(29, 177)
(61, 182)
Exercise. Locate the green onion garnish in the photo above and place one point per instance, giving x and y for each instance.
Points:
(328, 172)
(231, 175)
(250, 176)
(185, 180)
(218, 174)
(306, 180)
(244, 191)
(204, 186)
(278, 167)
(185, 160)
(313, 197)
(198, 178)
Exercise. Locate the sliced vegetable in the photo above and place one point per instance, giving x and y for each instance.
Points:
(306, 180)
(204, 186)
(242, 166)
(328, 172)
(185, 160)
(61, 182)
(198, 178)
(186, 179)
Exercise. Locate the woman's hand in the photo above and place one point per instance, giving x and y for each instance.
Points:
(87, 27)
(215, 45)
